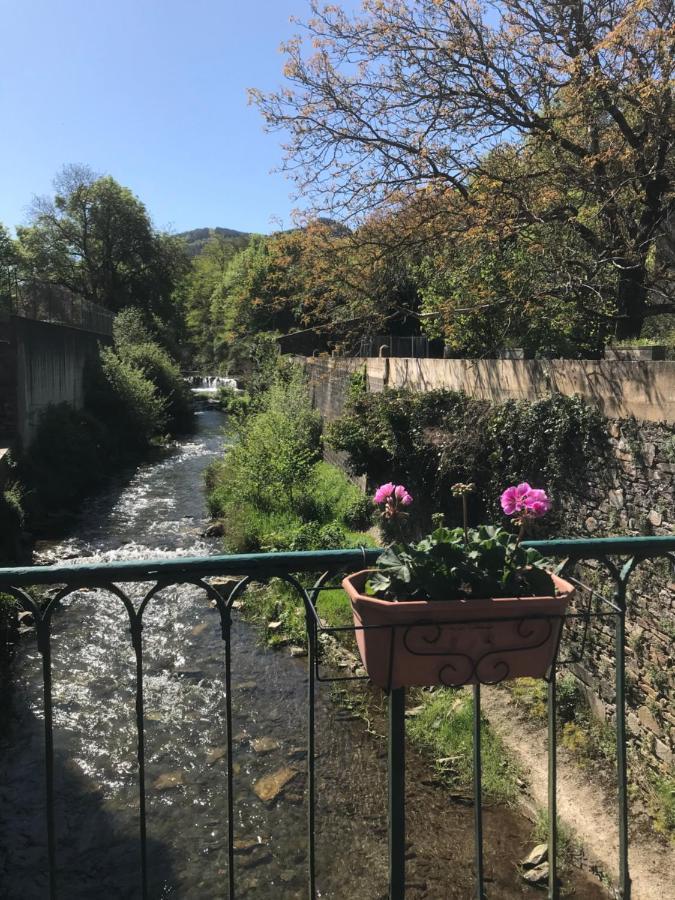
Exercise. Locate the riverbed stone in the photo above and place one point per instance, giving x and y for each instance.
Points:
(265, 744)
(536, 856)
(169, 781)
(246, 845)
(215, 754)
(257, 857)
(536, 875)
(270, 787)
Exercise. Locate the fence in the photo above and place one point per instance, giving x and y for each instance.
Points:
(53, 304)
(620, 556)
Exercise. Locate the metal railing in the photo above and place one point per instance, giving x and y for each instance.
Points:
(620, 556)
(53, 304)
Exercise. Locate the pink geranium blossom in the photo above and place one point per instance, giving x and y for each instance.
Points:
(523, 500)
(392, 497)
(384, 492)
(402, 495)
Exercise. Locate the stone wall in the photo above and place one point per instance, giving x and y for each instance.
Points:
(633, 493)
(630, 492)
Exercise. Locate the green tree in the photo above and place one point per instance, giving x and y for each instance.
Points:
(95, 238)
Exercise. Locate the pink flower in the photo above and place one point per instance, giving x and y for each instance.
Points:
(402, 495)
(383, 493)
(537, 503)
(523, 500)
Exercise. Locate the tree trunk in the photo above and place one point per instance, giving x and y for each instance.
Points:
(631, 301)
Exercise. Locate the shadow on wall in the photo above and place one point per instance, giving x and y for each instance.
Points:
(620, 388)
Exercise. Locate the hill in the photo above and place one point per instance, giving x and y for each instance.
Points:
(197, 238)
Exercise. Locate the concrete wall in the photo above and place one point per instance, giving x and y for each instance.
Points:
(620, 388)
(50, 362)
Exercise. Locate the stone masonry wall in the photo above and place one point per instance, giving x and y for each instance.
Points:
(631, 492)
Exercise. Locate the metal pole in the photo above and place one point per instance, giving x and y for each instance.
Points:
(44, 647)
(477, 793)
(621, 761)
(311, 762)
(552, 790)
(397, 794)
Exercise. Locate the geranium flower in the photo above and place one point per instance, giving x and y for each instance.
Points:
(524, 500)
(402, 495)
(383, 493)
(537, 503)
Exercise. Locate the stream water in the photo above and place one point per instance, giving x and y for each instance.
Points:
(160, 511)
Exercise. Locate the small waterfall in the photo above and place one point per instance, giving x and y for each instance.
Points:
(209, 384)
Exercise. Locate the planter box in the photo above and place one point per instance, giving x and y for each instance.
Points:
(651, 352)
(456, 642)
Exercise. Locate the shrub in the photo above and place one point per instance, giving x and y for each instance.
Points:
(130, 326)
(431, 440)
(271, 490)
(234, 403)
(157, 367)
(121, 396)
(277, 447)
(12, 516)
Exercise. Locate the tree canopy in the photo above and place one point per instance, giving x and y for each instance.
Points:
(96, 238)
(563, 111)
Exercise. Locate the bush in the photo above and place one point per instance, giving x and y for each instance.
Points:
(234, 403)
(130, 326)
(12, 516)
(431, 440)
(157, 367)
(277, 447)
(120, 395)
(271, 490)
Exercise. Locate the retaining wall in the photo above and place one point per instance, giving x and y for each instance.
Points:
(50, 361)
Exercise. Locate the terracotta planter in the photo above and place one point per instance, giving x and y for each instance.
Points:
(456, 642)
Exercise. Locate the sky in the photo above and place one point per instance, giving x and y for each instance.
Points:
(152, 92)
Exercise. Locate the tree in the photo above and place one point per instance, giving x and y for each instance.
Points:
(95, 238)
(412, 95)
(8, 260)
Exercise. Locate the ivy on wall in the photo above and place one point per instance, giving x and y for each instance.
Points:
(430, 440)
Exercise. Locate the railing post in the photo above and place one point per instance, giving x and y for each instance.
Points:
(397, 794)
(478, 794)
(621, 760)
(552, 790)
(311, 781)
(137, 642)
(44, 647)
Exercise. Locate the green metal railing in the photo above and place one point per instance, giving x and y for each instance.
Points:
(620, 556)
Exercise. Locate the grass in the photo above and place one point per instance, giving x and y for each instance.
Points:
(662, 806)
(444, 728)
(569, 847)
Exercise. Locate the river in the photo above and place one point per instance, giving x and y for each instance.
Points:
(159, 511)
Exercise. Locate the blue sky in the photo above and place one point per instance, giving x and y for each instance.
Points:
(152, 92)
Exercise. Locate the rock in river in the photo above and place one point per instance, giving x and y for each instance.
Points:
(269, 787)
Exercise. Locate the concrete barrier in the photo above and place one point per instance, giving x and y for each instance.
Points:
(620, 388)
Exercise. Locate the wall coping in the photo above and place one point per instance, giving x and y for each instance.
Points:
(620, 388)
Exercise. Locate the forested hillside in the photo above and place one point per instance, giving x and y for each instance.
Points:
(196, 239)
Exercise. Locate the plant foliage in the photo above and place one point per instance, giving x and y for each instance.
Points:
(449, 565)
